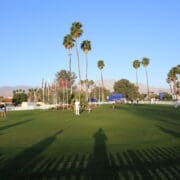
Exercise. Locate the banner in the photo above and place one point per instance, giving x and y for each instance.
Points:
(63, 83)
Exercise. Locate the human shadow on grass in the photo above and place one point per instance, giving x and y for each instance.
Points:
(99, 165)
(20, 165)
(14, 124)
(154, 163)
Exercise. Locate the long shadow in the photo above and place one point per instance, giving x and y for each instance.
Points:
(147, 164)
(169, 131)
(1, 159)
(19, 166)
(15, 124)
(99, 165)
(164, 114)
(155, 163)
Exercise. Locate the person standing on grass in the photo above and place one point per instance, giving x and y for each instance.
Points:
(77, 107)
(3, 111)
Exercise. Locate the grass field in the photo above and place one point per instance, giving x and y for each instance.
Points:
(129, 142)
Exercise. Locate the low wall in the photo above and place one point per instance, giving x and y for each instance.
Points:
(48, 106)
(21, 108)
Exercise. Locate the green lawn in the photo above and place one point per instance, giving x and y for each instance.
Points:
(128, 142)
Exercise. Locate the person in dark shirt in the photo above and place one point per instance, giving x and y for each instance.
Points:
(3, 111)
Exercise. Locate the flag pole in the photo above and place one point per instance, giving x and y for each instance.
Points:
(66, 94)
(43, 89)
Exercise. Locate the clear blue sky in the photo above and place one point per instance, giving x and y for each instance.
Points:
(32, 31)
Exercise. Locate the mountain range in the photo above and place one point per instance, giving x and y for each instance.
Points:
(142, 87)
(7, 91)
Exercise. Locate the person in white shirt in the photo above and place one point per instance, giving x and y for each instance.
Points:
(77, 107)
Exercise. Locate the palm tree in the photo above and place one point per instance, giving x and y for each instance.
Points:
(178, 73)
(86, 47)
(68, 43)
(136, 65)
(91, 83)
(92, 88)
(31, 94)
(76, 32)
(168, 80)
(145, 63)
(101, 66)
(178, 87)
(173, 77)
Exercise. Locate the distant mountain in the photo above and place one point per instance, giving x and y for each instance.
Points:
(156, 90)
(7, 91)
(109, 84)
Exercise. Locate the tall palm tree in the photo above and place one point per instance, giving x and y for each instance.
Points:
(68, 43)
(136, 65)
(145, 63)
(76, 32)
(101, 66)
(86, 47)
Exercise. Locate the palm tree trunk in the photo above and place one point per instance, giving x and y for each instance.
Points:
(99, 93)
(170, 89)
(79, 70)
(147, 83)
(87, 77)
(137, 78)
(70, 70)
(174, 87)
(102, 87)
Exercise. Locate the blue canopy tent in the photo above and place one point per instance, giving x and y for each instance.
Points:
(92, 100)
(161, 96)
(116, 97)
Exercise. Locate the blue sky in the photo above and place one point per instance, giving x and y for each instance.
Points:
(32, 31)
